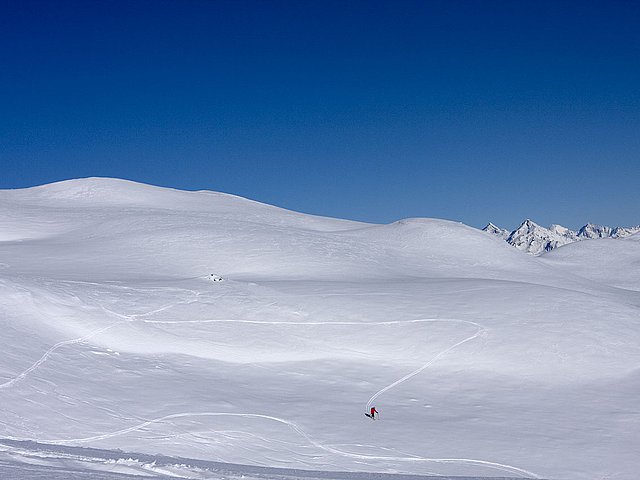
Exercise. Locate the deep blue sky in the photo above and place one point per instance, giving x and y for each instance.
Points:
(473, 111)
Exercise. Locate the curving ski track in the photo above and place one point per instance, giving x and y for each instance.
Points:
(125, 319)
(46, 355)
(481, 330)
(484, 463)
(140, 317)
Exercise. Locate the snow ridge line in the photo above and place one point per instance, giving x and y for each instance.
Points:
(483, 463)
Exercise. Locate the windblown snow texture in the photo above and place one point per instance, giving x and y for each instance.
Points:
(482, 361)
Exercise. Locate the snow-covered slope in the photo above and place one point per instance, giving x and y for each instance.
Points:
(531, 238)
(482, 361)
(612, 261)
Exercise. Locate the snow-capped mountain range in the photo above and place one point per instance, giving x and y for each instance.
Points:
(534, 239)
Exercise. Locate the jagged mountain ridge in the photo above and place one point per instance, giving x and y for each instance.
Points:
(534, 239)
(500, 232)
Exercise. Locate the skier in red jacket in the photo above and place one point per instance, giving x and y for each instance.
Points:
(373, 413)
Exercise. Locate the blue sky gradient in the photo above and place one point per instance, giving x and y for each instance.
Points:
(471, 111)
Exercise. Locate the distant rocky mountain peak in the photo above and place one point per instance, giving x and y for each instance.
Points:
(534, 239)
(591, 230)
(501, 232)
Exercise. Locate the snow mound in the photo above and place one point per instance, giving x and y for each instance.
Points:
(482, 362)
(612, 261)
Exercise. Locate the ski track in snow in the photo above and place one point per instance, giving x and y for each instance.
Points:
(46, 355)
(481, 331)
(414, 458)
(125, 319)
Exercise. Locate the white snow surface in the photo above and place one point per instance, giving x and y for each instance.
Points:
(611, 261)
(483, 362)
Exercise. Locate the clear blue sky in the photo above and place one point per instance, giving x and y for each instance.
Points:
(473, 111)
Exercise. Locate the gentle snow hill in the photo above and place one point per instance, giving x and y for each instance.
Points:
(118, 228)
(611, 261)
(483, 362)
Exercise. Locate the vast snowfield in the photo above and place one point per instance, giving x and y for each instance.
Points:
(121, 357)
